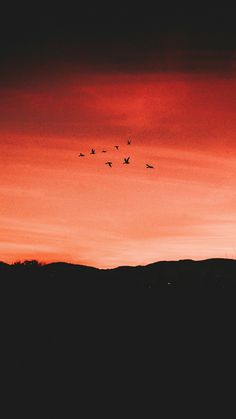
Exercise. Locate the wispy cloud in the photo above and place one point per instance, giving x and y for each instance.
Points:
(59, 206)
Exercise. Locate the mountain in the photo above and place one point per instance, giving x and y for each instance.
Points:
(203, 274)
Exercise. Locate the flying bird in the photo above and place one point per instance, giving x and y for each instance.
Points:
(117, 147)
(104, 151)
(93, 151)
(109, 163)
(129, 142)
(126, 160)
(148, 166)
(81, 155)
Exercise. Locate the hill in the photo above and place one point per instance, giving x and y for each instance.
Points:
(203, 274)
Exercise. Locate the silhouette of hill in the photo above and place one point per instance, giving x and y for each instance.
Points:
(60, 317)
(203, 274)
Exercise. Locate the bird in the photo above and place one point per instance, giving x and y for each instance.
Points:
(104, 151)
(148, 166)
(126, 160)
(81, 155)
(93, 151)
(129, 142)
(117, 147)
(109, 163)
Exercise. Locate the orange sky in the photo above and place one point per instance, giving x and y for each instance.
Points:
(55, 206)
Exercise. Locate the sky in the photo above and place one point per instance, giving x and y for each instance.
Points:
(165, 80)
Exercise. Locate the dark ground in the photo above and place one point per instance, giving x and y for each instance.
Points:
(78, 330)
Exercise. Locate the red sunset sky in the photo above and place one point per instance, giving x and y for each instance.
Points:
(56, 206)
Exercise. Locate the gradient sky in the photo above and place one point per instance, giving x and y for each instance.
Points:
(181, 118)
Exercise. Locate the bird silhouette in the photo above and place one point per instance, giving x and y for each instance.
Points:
(81, 155)
(117, 147)
(148, 166)
(104, 151)
(109, 163)
(93, 151)
(129, 142)
(126, 160)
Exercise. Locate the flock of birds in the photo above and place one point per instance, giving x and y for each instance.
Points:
(109, 163)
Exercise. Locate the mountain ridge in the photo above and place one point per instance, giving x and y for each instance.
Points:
(206, 273)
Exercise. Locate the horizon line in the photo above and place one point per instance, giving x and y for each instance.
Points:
(41, 263)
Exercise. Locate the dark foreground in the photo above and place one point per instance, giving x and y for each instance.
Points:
(80, 330)
(205, 274)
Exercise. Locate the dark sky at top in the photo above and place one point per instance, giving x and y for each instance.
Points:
(118, 37)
